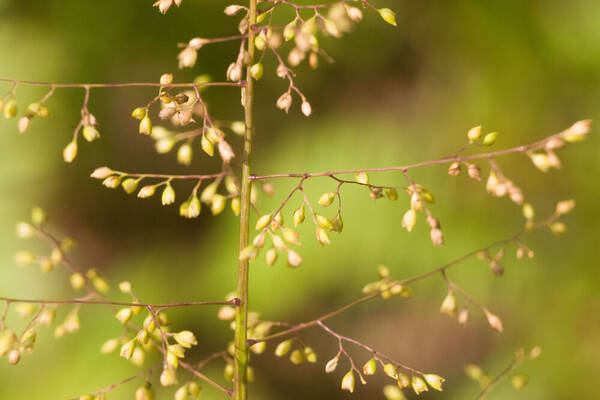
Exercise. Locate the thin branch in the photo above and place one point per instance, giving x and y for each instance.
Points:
(234, 302)
(119, 85)
(518, 149)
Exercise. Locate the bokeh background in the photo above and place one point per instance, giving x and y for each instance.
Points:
(394, 96)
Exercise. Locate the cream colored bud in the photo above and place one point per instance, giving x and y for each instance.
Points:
(577, 132)
(558, 228)
(463, 316)
(184, 154)
(112, 182)
(271, 257)
(474, 172)
(226, 152)
(187, 57)
(448, 305)
(390, 370)
(324, 222)
(23, 124)
(234, 72)
(25, 230)
(564, 207)
(494, 321)
(283, 348)
(226, 313)
(363, 178)
(388, 16)
(294, 258)
(322, 236)
(233, 9)
(14, 356)
(145, 125)
(109, 346)
(306, 108)
(284, 102)
(492, 182)
(331, 365)
(168, 377)
(354, 13)
(166, 112)
(437, 237)
(166, 79)
(516, 195)
(102, 173)
(147, 191)
(454, 169)
(541, 161)
(282, 71)
(218, 204)
(409, 220)
(124, 315)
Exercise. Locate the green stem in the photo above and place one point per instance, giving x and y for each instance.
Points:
(241, 319)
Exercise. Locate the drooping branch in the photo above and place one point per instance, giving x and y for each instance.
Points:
(234, 302)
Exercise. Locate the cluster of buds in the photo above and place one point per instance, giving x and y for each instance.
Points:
(418, 382)
(418, 195)
(298, 352)
(33, 110)
(190, 208)
(89, 130)
(499, 186)
(165, 5)
(386, 286)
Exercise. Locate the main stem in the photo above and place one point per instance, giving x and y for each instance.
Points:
(241, 318)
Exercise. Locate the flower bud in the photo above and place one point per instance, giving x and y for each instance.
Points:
(354, 13)
(528, 211)
(306, 108)
(331, 365)
(144, 393)
(322, 236)
(127, 349)
(418, 385)
(139, 113)
(437, 237)
(23, 123)
(326, 199)
(348, 382)
(473, 171)
(448, 305)
(226, 152)
(10, 108)
(283, 348)
(147, 191)
(435, 381)
(130, 185)
(490, 138)
(474, 133)
(124, 315)
(112, 182)
(284, 102)
(494, 321)
(109, 346)
(388, 16)
(540, 161)
(310, 355)
(576, 132)
(299, 216)
(390, 370)
(297, 357)
(463, 316)
(7, 341)
(145, 125)
(564, 207)
(324, 222)
(168, 195)
(236, 205)
(168, 377)
(257, 70)
(207, 146)
(409, 220)
(370, 367)
(90, 133)
(271, 257)
(102, 173)
(454, 169)
(186, 338)
(187, 57)
(294, 258)
(14, 356)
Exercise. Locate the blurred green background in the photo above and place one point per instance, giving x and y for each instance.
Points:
(394, 95)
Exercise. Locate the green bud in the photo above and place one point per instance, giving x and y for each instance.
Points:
(77, 281)
(289, 31)
(144, 393)
(528, 211)
(297, 357)
(403, 381)
(236, 205)
(435, 381)
(168, 377)
(228, 372)
(207, 146)
(324, 222)
(392, 392)
(326, 199)
(7, 341)
(90, 133)
(145, 125)
(100, 284)
(218, 204)
(109, 346)
(418, 385)
(10, 108)
(283, 348)
(112, 182)
(474, 372)
(238, 127)
(139, 113)
(390, 370)
(391, 194)
(38, 216)
(310, 355)
(322, 236)
(181, 393)
(263, 221)
(348, 381)
(370, 367)
(127, 349)
(490, 138)
(124, 315)
(388, 15)
(186, 338)
(208, 192)
(257, 71)
(130, 185)
(194, 389)
(519, 381)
